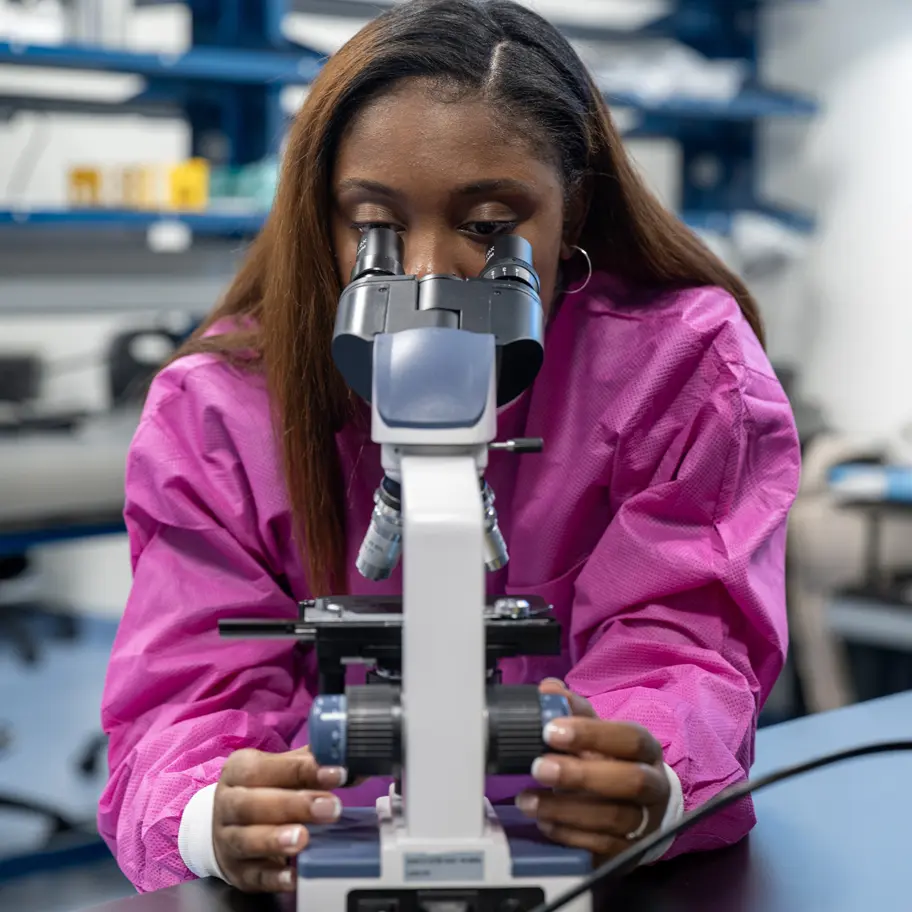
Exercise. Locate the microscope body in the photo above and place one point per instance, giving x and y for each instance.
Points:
(434, 357)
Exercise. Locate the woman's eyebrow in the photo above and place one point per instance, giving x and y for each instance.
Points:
(476, 188)
(358, 183)
(495, 185)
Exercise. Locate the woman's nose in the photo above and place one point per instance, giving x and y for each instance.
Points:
(432, 256)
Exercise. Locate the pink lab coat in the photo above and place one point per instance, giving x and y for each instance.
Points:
(654, 522)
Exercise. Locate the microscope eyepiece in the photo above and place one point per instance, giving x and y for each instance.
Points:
(510, 257)
(379, 253)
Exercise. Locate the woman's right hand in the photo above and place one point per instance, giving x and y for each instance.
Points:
(263, 803)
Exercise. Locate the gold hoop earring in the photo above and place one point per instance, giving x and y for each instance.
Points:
(588, 277)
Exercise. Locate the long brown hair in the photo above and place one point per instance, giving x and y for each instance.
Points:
(284, 298)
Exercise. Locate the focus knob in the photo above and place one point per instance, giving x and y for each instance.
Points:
(360, 731)
(517, 716)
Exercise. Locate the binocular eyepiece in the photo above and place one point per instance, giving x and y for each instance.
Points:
(509, 257)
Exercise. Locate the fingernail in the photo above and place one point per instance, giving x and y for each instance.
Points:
(326, 810)
(547, 772)
(527, 803)
(286, 877)
(290, 837)
(332, 776)
(546, 827)
(558, 734)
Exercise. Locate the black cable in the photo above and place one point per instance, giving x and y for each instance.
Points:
(628, 860)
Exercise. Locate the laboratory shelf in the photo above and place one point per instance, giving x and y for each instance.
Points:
(213, 223)
(200, 64)
(231, 224)
(144, 105)
(750, 104)
(228, 86)
(687, 20)
(721, 221)
(258, 68)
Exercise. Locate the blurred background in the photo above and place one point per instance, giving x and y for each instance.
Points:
(138, 155)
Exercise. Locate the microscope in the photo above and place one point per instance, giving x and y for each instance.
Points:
(434, 357)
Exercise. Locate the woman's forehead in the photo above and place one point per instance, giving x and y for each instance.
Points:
(413, 130)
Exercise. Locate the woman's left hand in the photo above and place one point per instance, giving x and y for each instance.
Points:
(606, 789)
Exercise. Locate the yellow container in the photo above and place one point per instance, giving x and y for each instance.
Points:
(138, 188)
(188, 185)
(85, 187)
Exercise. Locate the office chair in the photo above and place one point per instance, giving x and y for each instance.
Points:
(134, 357)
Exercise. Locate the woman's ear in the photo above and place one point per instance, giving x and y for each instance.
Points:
(577, 212)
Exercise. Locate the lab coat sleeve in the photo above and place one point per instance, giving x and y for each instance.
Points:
(178, 699)
(679, 619)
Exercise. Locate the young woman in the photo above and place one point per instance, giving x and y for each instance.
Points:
(654, 522)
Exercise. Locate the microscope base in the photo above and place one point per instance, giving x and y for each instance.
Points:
(342, 869)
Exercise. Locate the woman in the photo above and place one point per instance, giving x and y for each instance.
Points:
(654, 522)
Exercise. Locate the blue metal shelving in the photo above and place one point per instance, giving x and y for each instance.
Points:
(227, 66)
(749, 105)
(228, 86)
(230, 66)
(231, 224)
(720, 221)
(212, 223)
(719, 149)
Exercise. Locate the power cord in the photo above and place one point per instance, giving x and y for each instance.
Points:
(628, 860)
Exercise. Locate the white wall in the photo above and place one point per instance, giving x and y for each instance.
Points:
(846, 315)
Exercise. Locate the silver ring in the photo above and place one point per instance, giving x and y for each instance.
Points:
(641, 829)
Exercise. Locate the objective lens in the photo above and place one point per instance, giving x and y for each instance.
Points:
(379, 253)
(382, 546)
(495, 547)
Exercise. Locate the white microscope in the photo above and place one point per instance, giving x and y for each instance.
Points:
(434, 357)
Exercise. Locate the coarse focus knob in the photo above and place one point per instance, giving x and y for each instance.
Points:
(360, 731)
(517, 716)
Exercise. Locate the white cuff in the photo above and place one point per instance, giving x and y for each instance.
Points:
(194, 839)
(673, 813)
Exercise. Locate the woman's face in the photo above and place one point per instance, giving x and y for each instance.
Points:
(445, 176)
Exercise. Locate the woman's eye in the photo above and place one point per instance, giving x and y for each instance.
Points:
(364, 227)
(488, 229)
